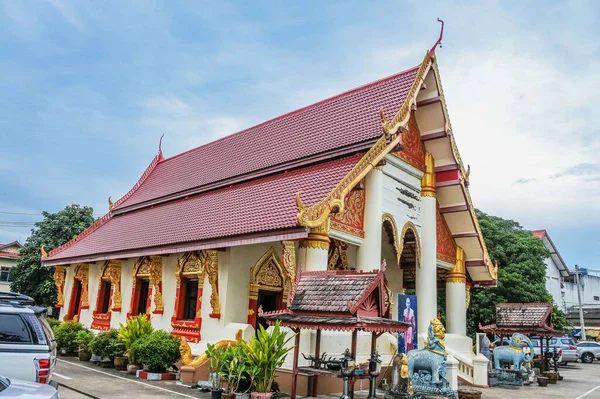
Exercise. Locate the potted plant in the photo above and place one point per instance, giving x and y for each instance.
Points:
(266, 352)
(83, 338)
(233, 370)
(214, 355)
(129, 333)
(107, 346)
(66, 337)
(157, 351)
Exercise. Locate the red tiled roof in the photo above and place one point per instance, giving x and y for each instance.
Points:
(9, 255)
(330, 291)
(539, 233)
(346, 119)
(259, 205)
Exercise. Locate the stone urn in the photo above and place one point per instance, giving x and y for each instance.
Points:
(542, 381)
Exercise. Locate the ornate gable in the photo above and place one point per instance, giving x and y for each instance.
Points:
(351, 220)
(414, 151)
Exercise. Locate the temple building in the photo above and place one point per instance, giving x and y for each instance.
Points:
(206, 238)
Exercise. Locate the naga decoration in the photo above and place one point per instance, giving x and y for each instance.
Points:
(43, 252)
(427, 366)
(212, 270)
(59, 280)
(196, 361)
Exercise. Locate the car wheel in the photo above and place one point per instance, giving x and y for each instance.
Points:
(587, 358)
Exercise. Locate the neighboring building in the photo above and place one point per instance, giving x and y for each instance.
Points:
(556, 270)
(369, 175)
(561, 283)
(9, 254)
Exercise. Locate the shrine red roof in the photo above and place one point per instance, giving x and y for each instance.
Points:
(337, 122)
(258, 206)
(331, 291)
(526, 318)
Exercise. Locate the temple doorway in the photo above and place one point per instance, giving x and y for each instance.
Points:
(268, 301)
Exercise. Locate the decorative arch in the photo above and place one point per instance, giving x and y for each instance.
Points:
(110, 272)
(147, 268)
(195, 264)
(409, 226)
(79, 292)
(389, 224)
(267, 275)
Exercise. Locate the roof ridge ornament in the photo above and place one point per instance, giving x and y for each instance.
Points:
(160, 154)
(439, 40)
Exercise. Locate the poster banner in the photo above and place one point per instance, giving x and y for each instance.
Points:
(407, 312)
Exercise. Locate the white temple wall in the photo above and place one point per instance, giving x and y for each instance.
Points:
(553, 282)
(169, 285)
(126, 292)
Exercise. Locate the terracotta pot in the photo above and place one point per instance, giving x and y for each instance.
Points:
(552, 376)
(133, 368)
(542, 381)
(84, 355)
(261, 395)
(121, 363)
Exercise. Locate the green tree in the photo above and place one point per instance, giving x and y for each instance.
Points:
(29, 277)
(521, 272)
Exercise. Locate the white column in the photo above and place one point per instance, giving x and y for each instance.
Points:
(456, 297)
(426, 277)
(368, 256)
(314, 249)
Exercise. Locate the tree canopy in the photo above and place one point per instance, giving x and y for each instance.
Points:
(29, 277)
(521, 272)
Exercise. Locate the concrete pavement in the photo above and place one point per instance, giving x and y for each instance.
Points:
(581, 381)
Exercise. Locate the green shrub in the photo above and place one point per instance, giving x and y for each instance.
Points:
(53, 322)
(157, 351)
(83, 339)
(66, 336)
(134, 329)
(107, 345)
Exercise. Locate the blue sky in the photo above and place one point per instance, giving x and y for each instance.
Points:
(87, 88)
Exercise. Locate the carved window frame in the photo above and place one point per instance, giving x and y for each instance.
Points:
(81, 274)
(147, 267)
(110, 271)
(200, 264)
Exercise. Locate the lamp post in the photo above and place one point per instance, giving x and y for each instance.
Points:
(374, 371)
(347, 371)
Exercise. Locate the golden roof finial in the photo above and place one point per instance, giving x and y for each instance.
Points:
(467, 174)
(384, 122)
(110, 204)
(43, 251)
(299, 203)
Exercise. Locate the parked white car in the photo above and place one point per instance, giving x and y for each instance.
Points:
(588, 351)
(11, 388)
(27, 343)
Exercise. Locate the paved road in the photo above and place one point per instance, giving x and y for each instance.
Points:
(94, 382)
(581, 381)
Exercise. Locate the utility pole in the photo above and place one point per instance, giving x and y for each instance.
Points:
(583, 335)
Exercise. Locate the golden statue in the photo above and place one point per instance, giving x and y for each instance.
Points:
(191, 361)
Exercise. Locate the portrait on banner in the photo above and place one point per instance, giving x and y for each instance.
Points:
(407, 312)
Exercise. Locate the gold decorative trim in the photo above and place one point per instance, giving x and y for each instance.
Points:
(318, 237)
(458, 273)
(315, 215)
(43, 252)
(428, 180)
(111, 271)
(403, 114)
(410, 226)
(82, 273)
(213, 279)
(59, 280)
(288, 260)
(467, 296)
(265, 276)
(386, 217)
(156, 280)
(338, 257)
(318, 213)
